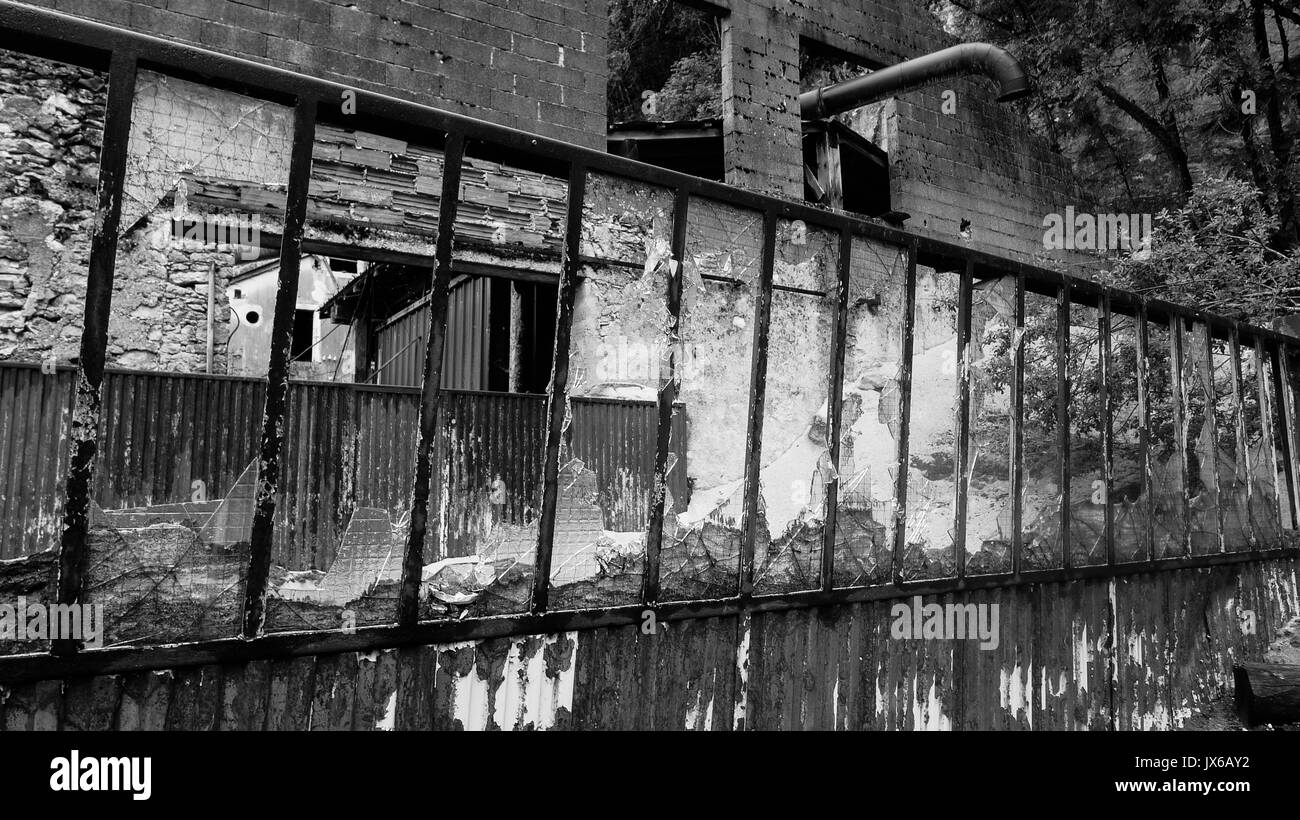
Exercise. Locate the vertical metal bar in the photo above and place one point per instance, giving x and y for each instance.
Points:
(1241, 464)
(1107, 425)
(1144, 433)
(835, 406)
(758, 392)
(1178, 396)
(84, 446)
(277, 377)
(904, 415)
(667, 398)
(557, 403)
(1285, 385)
(1018, 428)
(961, 458)
(1063, 415)
(408, 603)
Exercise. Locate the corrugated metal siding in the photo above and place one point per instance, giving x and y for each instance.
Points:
(401, 344)
(346, 446)
(35, 414)
(1059, 665)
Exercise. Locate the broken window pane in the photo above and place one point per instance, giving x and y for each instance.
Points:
(1230, 458)
(1169, 520)
(51, 130)
(1088, 491)
(617, 352)
(870, 418)
(931, 488)
(1261, 468)
(1129, 504)
(188, 345)
(1041, 493)
(700, 552)
(989, 491)
(1283, 421)
(1202, 440)
(795, 451)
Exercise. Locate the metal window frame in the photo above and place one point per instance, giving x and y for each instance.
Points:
(72, 40)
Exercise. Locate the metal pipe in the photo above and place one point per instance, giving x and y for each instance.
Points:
(967, 58)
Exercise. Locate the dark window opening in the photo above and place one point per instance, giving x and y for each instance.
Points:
(343, 265)
(304, 335)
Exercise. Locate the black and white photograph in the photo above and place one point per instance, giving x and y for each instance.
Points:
(648, 366)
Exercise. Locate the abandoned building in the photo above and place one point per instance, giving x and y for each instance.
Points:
(361, 323)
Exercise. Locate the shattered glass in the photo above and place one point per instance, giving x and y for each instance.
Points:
(1088, 489)
(1129, 504)
(870, 418)
(1169, 519)
(618, 358)
(989, 525)
(702, 535)
(795, 450)
(1203, 459)
(1041, 492)
(1263, 497)
(932, 443)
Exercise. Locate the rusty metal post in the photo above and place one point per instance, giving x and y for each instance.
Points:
(408, 604)
(758, 392)
(904, 415)
(667, 398)
(557, 401)
(1018, 428)
(73, 550)
(961, 457)
(835, 406)
(277, 376)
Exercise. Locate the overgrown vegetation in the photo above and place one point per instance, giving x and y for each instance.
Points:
(668, 49)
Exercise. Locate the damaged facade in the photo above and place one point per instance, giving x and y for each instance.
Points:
(912, 424)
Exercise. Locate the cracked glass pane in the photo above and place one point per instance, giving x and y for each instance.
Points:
(1230, 448)
(1129, 505)
(188, 346)
(617, 367)
(931, 485)
(1088, 493)
(1041, 493)
(870, 418)
(51, 133)
(1282, 420)
(989, 491)
(700, 552)
(1263, 498)
(795, 450)
(1202, 440)
(1169, 520)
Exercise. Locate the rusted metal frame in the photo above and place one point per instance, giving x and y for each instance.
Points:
(557, 400)
(1268, 446)
(667, 398)
(904, 416)
(1018, 429)
(1241, 464)
(1063, 415)
(1285, 386)
(1206, 366)
(84, 437)
(1178, 394)
(277, 646)
(757, 397)
(1105, 365)
(835, 407)
(408, 603)
(1144, 432)
(961, 457)
(277, 378)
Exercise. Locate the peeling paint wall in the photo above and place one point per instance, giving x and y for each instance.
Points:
(1103, 655)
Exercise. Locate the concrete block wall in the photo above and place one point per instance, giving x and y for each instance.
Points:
(538, 65)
